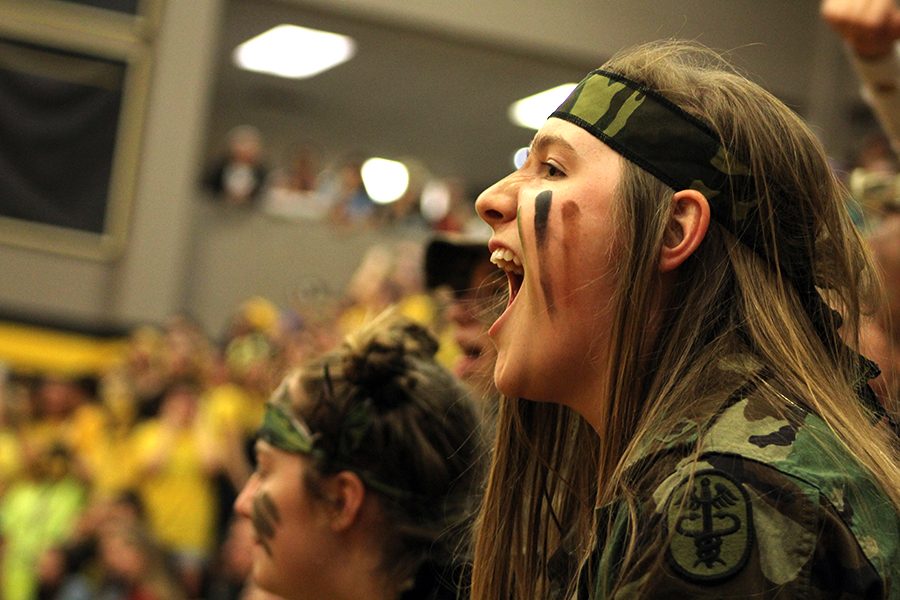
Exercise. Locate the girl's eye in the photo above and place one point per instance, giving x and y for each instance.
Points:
(553, 170)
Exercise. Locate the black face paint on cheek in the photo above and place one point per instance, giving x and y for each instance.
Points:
(571, 216)
(542, 204)
(265, 517)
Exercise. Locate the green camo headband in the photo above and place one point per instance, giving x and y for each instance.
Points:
(283, 430)
(664, 140)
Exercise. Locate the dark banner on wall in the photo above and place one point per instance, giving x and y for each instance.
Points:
(124, 6)
(59, 116)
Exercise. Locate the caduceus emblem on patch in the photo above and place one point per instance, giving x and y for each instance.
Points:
(710, 527)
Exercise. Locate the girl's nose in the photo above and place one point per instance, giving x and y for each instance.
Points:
(244, 501)
(498, 203)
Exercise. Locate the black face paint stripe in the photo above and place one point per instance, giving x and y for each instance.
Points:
(265, 517)
(266, 502)
(542, 216)
(571, 216)
(542, 203)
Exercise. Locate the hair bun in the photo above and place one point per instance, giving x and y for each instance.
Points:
(380, 363)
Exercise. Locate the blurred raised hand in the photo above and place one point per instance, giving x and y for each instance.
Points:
(870, 27)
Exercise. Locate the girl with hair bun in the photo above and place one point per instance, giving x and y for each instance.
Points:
(685, 413)
(368, 460)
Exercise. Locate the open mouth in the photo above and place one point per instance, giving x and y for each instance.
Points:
(512, 266)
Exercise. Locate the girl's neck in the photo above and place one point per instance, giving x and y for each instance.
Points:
(362, 575)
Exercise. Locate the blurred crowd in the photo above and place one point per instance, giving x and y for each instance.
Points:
(120, 484)
(301, 187)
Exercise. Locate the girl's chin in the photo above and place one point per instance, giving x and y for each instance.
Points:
(502, 383)
(507, 381)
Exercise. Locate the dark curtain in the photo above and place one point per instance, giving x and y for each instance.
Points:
(59, 115)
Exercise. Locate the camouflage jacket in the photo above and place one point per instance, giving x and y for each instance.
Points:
(757, 506)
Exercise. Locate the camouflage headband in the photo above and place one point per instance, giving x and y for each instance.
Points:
(282, 429)
(664, 140)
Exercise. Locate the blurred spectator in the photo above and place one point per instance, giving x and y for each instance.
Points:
(74, 570)
(871, 30)
(135, 566)
(408, 281)
(458, 210)
(254, 315)
(37, 513)
(237, 178)
(188, 351)
(346, 195)
(174, 461)
(66, 417)
(881, 336)
(293, 191)
(55, 583)
(462, 266)
(387, 276)
(874, 182)
(14, 410)
(143, 372)
(369, 291)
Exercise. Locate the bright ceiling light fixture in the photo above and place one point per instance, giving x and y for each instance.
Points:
(531, 112)
(294, 52)
(385, 180)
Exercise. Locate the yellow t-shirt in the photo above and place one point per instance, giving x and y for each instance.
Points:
(179, 496)
(10, 459)
(110, 477)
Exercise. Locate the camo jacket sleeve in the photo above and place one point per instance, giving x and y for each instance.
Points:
(769, 509)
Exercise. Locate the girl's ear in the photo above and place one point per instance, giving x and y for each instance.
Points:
(687, 227)
(346, 493)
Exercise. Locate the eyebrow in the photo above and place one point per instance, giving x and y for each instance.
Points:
(542, 142)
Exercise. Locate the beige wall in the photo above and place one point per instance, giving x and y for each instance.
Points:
(147, 282)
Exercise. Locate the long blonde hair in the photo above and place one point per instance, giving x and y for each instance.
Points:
(726, 299)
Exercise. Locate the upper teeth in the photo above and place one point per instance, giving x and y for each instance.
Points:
(506, 260)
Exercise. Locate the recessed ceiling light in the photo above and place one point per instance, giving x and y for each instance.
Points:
(531, 112)
(294, 52)
(385, 180)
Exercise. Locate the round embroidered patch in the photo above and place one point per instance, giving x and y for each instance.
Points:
(710, 527)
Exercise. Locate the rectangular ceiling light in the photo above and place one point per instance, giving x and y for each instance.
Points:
(531, 112)
(294, 52)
